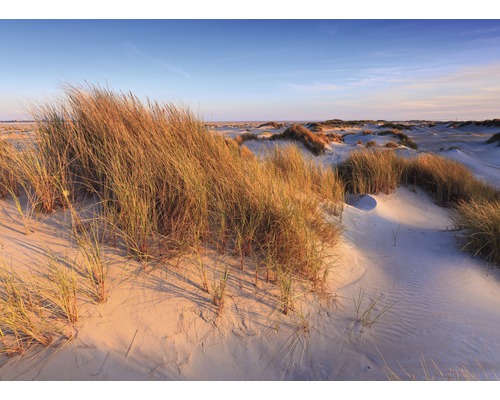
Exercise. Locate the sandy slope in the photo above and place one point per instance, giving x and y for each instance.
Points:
(160, 325)
(442, 304)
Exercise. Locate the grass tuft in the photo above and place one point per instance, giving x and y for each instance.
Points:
(494, 139)
(371, 171)
(314, 142)
(481, 223)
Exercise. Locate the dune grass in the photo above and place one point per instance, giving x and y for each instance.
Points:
(8, 183)
(25, 314)
(165, 183)
(314, 142)
(371, 171)
(447, 181)
(403, 138)
(481, 223)
(494, 139)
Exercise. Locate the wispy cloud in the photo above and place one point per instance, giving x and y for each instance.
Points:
(315, 87)
(135, 51)
(465, 93)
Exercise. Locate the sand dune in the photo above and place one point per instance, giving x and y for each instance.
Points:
(432, 303)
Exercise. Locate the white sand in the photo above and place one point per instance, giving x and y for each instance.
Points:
(159, 324)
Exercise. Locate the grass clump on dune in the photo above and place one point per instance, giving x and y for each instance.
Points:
(481, 223)
(494, 139)
(403, 138)
(447, 181)
(371, 171)
(167, 184)
(315, 143)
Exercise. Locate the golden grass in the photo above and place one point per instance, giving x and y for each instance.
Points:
(314, 142)
(25, 315)
(447, 181)
(371, 171)
(167, 184)
(481, 223)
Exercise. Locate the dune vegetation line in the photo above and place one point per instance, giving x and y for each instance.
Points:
(164, 185)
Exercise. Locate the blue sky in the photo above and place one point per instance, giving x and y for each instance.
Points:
(263, 70)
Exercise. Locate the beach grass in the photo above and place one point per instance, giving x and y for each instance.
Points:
(166, 183)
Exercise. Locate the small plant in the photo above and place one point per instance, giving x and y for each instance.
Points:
(371, 143)
(27, 215)
(391, 145)
(200, 266)
(396, 234)
(220, 285)
(368, 314)
(285, 283)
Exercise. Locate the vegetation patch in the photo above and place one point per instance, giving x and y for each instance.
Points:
(447, 181)
(392, 125)
(494, 139)
(272, 125)
(314, 142)
(481, 224)
(245, 137)
(403, 138)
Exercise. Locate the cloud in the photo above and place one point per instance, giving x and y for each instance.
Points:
(134, 50)
(466, 93)
(315, 87)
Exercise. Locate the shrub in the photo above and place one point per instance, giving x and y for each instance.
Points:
(371, 143)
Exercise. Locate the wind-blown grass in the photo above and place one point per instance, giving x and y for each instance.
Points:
(481, 223)
(447, 181)
(166, 183)
(24, 315)
(314, 142)
(371, 171)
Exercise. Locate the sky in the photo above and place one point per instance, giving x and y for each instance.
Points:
(262, 70)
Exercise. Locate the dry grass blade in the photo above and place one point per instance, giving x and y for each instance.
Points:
(24, 315)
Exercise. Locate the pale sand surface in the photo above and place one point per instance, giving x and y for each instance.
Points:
(442, 304)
